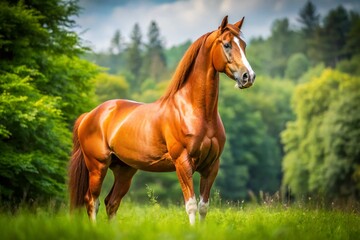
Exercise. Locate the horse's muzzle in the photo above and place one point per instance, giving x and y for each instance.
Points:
(246, 80)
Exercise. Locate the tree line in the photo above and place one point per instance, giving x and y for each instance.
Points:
(296, 129)
(139, 60)
(292, 50)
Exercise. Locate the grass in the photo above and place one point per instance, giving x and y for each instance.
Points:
(136, 221)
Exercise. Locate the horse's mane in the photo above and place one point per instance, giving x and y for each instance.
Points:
(184, 67)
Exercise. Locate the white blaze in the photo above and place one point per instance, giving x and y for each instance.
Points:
(243, 58)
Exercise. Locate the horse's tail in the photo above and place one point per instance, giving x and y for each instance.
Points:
(78, 173)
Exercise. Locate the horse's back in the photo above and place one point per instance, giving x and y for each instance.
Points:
(99, 123)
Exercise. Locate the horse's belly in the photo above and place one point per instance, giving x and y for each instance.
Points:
(145, 162)
(162, 165)
(143, 154)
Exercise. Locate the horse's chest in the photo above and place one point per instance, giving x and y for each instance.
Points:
(208, 152)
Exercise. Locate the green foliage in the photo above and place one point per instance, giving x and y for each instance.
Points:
(253, 120)
(245, 133)
(20, 33)
(150, 91)
(110, 87)
(114, 63)
(35, 26)
(259, 56)
(69, 78)
(44, 86)
(351, 66)
(270, 56)
(297, 65)
(174, 54)
(322, 154)
(283, 42)
(312, 73)
(30, 167)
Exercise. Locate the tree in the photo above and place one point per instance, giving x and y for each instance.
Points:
(353, 37)
(154, 61)
(109, 87)
(351, 66)
(334, 35)
(297, 65)
(134, 60)
(244, 135)
(31, 167)
(44, 86)
(260, 56)
(251, 160)
(174, 55)
(309, 19)
(279, 46)
(322, 155)
(150, 91)
(116, 44)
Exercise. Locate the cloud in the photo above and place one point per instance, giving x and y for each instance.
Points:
(186, 19)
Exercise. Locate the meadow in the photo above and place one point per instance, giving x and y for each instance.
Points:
(154, 221)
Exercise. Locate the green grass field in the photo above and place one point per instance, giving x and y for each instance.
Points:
(136, 221)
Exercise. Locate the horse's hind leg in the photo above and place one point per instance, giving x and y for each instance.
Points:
(97, 172)
(123, 175)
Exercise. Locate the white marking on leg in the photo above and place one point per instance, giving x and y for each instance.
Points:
(203, 209)
(191, 208)
(244, 59)
(95, 210)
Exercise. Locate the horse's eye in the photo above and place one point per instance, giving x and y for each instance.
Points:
(227, 45)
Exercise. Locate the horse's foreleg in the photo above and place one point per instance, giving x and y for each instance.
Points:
(184, 172)
(97, 172)
(206, 181)
(123, 175)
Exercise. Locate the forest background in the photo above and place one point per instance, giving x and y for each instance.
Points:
(295, 133)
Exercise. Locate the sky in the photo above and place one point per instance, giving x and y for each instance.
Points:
(182, 20)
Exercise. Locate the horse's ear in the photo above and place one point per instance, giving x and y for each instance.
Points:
(240, 23)
(223, 23)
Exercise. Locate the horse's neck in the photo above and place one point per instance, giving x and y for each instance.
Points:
(201, 89)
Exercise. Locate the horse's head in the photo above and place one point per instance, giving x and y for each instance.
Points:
(229, 54)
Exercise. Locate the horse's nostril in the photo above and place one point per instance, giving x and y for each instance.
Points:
(245, 76)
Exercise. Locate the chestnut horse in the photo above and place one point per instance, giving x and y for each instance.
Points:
(182, 131)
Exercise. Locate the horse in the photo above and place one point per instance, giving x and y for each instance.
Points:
(182, 131)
